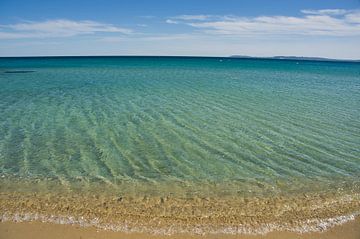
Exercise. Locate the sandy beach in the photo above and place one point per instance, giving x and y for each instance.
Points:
(29, 230)
(174, 216)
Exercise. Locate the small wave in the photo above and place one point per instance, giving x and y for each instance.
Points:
(313, 225)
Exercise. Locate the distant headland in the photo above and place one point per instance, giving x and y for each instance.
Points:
(299, 58)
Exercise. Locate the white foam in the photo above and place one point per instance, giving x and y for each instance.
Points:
(313, 225)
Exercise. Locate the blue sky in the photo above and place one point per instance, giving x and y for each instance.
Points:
(325, 28)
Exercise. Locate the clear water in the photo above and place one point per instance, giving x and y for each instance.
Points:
(179, 120)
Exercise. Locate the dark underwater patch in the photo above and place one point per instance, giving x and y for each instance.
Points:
(14, 72)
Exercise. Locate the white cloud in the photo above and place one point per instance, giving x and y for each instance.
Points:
(325, 11)
(149, 37)
(188, 18)
(167, 37)
(324, 24)
(193, 17)
(353, 18)
(11, 35)
(169, 21)
(57, 28)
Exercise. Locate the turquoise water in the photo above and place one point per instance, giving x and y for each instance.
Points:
(179, 120)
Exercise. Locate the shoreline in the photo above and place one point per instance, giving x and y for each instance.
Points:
(39, 230)
(173, 215)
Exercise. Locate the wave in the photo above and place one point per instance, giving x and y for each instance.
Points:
(314, 225)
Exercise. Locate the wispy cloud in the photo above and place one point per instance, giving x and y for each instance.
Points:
(167, 37)
(149, 37)
(353, 18)
(193, 17)
(325, 11)
(170, 21)
(57, 28)
(327, 22)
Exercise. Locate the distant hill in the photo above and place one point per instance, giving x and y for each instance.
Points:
(300, 58)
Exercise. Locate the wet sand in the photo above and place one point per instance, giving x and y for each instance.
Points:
(37, 230)
(173, 215)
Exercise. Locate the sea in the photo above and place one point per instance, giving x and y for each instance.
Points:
(211, 128)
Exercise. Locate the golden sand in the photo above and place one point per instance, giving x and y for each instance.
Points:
(36, 230)
(173, 215)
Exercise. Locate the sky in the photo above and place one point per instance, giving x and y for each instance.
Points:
(318, 28)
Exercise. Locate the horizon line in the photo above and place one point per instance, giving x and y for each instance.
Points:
(275, 57)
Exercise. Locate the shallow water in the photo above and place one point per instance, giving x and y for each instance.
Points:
(258, 125)
(172, 145)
